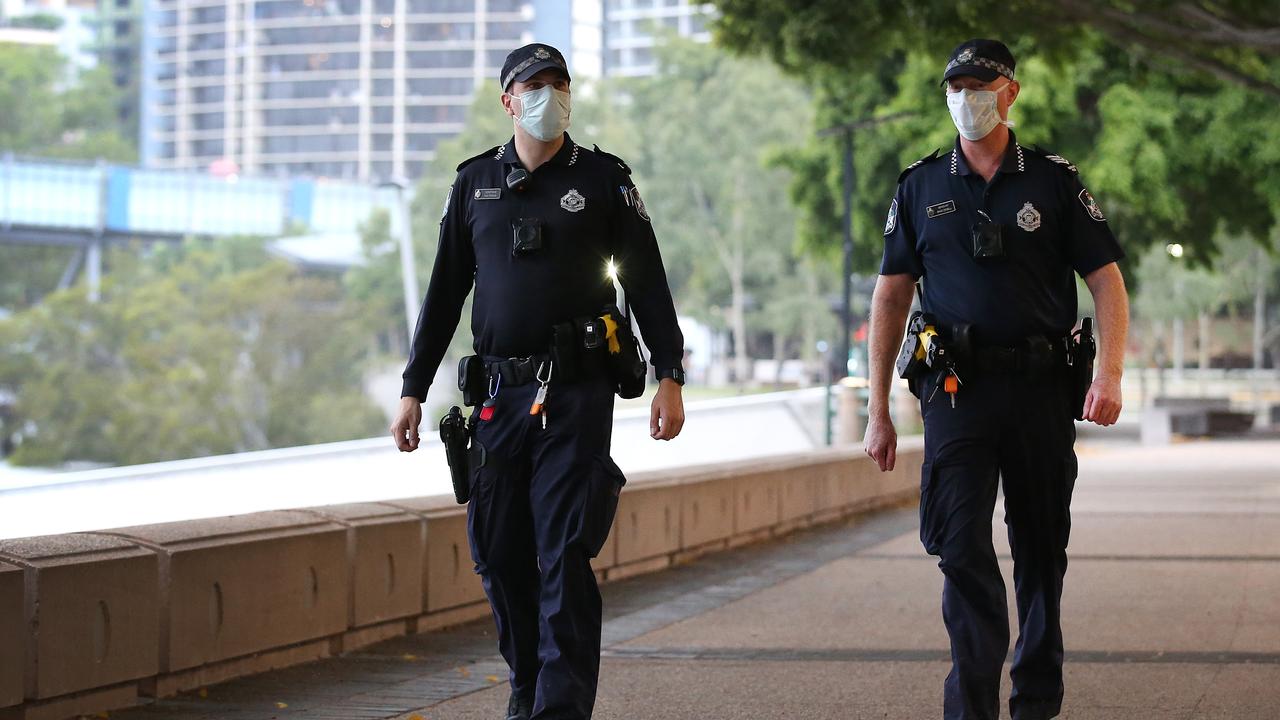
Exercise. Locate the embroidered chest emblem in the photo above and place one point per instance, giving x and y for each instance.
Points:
(1029, 218)
(573, 201)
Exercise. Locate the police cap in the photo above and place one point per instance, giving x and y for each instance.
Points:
(523, 63)
(983, 59)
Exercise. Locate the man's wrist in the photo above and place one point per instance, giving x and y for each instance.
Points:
(674, 374)
(878, 411)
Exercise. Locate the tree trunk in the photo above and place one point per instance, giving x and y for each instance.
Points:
(779, 356)
(809, 330)
(1259, 312)
(1202, 358)
(1178, 347)
(738, 321)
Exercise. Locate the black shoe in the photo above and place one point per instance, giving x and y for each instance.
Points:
(519, 708)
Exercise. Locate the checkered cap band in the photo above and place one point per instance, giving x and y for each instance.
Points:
(982, 62)
(515, 71)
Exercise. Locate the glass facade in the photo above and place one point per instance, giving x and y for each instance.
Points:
(632, 26)
(316, 87)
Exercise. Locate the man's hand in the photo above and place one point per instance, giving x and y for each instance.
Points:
(1103, 402)
(881, 441)
(404, 429)
(666, 416)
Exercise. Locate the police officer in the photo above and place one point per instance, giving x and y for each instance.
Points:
(533, 225)
(994, 231)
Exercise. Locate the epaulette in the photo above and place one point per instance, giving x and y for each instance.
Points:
(494, 152)
(625, 168)
(1057, 159)
(926, 159)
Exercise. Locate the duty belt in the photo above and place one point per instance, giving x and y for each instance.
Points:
(1036, 355)
(515, 371)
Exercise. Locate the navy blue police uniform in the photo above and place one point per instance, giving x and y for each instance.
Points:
(543, 500)
(1012, 419)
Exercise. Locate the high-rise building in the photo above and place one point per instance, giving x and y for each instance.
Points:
(357, 89)
(631, 28)
(65, 25)
(119, 45)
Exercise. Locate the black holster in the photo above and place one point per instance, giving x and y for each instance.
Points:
(1081, 351)
(463, 452)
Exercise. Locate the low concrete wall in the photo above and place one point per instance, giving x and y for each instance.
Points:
(93, 621)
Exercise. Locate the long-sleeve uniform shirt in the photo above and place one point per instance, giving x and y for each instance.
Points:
(1052, 226)
(589, 211)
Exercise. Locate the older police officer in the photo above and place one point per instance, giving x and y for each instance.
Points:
(532, 224)
(994, 232)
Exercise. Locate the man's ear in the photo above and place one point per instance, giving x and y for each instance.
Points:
(1014, 89)
(506, 104)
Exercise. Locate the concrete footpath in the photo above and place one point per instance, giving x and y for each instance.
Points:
(1171, 612)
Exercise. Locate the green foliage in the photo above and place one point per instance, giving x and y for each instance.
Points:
(719, 206)
(1233, 40)
(1168, 112)
(199, 349)
(28, 272)
(43, 118)
(37, 21)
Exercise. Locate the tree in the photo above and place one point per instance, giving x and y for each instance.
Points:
(1236, 41)
(1172, 153)
(45, 118)
(718, 206)
(198, 349)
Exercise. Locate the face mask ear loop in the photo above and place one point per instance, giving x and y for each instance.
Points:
(513, 96)
(1006, 122)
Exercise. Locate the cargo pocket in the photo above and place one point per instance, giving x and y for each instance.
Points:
(480, 505)
(928, 530)
(603, 490)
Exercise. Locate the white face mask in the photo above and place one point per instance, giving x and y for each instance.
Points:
(975, 112)
(544, 113)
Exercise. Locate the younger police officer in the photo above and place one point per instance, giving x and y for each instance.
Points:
(995, 231)
(532, 225)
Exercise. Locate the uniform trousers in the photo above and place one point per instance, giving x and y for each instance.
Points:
(541, 508)
(1014, 430)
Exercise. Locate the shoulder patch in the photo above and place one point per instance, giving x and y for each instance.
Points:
(625, 168)
(1047, 155)
(926, 159)
(493, 152)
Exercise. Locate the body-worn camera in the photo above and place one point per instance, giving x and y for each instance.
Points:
(988, 241)
(526, 236)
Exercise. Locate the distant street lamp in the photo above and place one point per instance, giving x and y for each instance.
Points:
(847, 130)
(404, 237)
(1176, 251)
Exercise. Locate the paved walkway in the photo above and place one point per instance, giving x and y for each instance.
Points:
(1172, 612)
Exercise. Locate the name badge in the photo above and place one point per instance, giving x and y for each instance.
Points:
(488, 193)
(941, 208)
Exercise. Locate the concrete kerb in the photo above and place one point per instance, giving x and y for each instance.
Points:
(89, 612)
(385, 548)
(13, 630)
(228, 600)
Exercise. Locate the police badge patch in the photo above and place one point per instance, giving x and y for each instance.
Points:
(541, 54)
(892, 221)
(447, 197)
(1091, 205)
(573, 201)
(1029, 218)
(638, 204)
